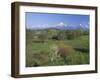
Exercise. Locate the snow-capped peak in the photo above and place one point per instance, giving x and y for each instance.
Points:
(61, 24)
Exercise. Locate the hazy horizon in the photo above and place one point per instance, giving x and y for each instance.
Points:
(47, 20)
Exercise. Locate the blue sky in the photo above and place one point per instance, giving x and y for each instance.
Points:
(34, 20)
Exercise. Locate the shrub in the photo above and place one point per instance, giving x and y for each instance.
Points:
(38, 59)
(53, 52)
(78, 58)
(41, 60)
(64, 50)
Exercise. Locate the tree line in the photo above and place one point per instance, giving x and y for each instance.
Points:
(52, 34)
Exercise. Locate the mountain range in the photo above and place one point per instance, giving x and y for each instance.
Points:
(61, 26)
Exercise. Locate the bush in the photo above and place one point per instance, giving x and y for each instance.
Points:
(72, 34)
(53, 52)
(42, 58)
(38, 59)
(78, 58)
(64, 50)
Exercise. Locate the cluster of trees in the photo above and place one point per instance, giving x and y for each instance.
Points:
(52, 34)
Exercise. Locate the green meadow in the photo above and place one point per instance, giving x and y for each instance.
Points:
(52, 47)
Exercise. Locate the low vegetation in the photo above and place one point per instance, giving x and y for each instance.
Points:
(53, 47)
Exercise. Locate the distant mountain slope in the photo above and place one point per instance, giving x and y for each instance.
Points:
(61, 26)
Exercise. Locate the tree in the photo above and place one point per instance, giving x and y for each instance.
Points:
(43, 36)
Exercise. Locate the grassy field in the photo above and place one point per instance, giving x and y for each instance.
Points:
(56, 52)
